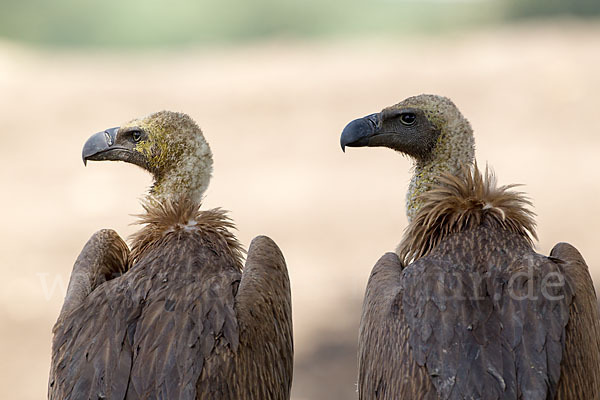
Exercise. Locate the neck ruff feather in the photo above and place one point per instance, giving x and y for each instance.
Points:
(461, 202)
(183, 215)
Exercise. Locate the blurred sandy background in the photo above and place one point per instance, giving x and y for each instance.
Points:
(273, 110)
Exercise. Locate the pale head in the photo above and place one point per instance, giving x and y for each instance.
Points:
(428, 128)
(167, 144)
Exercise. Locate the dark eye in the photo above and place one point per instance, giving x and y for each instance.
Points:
(136, 136)
(408, 118)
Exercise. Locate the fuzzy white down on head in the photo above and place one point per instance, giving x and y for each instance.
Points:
(454, 148)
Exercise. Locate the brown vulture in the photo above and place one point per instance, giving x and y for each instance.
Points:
(465, 308)
(177, 317)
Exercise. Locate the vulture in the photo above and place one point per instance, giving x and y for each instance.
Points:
(465, 308)
(177, 316)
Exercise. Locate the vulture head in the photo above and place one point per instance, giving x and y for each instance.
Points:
(428, 128)
(167, 144)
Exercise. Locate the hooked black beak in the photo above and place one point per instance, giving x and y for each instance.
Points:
(99, 145)
(358, 132)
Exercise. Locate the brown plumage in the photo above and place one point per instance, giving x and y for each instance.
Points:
(467, 309)
(178, 316)
(456, 204)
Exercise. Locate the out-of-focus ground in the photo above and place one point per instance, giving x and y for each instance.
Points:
(273, 114)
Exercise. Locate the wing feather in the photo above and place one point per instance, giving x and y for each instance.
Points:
(154, 332)
(80, 331)
(264, 311)
(580, 372)
(181, 350)
(494, 337)
(455, 324)
(104, 257)
(387, 369)
(92, 351)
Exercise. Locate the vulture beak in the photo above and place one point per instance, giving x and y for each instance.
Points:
(100, 146)
(358, 132)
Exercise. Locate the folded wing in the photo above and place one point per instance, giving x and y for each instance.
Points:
(264, 310)
(580, 375)
(81, 332)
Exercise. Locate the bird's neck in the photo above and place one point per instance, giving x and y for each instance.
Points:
(189, 178)
(454, 149)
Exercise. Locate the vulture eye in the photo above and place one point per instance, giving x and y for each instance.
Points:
(408, 118)
(136, 136)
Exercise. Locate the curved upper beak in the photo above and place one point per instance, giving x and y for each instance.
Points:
(358, 132)
(96, 147)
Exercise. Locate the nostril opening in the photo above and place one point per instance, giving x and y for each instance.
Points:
(108, 139)
(373, 121)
